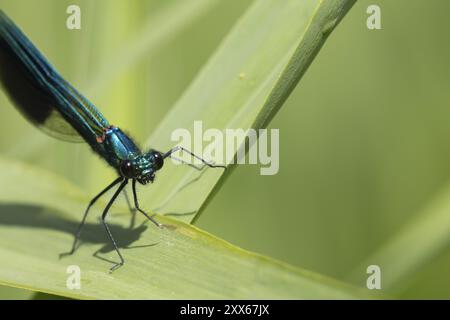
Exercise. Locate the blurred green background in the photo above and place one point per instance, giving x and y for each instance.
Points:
(365, 137)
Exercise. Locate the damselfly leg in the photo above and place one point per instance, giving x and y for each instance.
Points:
(178, 148)
(86, 212)
(136, 204)
(105, 213)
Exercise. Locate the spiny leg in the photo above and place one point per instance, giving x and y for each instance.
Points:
(179, 148)
(136, 204)
(105, 212)
(170, 153)
(91, 203)
(188, 164)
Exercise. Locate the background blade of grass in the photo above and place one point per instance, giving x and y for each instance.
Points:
(422, 239)
(39, 212)
(160, 29)
(243, 85)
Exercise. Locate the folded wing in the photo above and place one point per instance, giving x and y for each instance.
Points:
(40, 93)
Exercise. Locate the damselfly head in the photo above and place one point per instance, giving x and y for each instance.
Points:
(143, 167)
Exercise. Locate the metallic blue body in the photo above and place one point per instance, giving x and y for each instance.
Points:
(52, 104)
(117, 146)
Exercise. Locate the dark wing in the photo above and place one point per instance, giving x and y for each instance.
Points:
(40, 93)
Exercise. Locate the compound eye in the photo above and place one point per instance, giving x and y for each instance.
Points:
(158, 160)
(126, 168)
